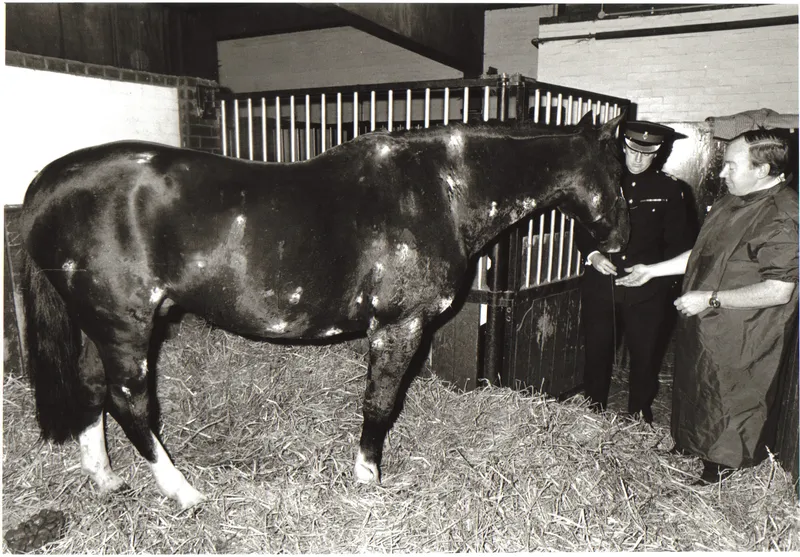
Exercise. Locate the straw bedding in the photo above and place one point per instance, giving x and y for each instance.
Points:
(269, 433)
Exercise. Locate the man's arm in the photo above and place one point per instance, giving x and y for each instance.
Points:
(640, 274)
(761, 295)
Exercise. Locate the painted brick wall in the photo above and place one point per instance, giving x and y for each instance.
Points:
(682, 77)
(507, 39)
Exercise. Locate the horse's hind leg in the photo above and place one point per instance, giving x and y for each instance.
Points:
(94, 458)
(125, 362)
(391, 349)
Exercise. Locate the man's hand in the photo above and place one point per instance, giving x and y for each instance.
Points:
(693, 302)
(639, 274)
(602, 264)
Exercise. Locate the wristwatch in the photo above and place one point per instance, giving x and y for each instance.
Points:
(713, 301)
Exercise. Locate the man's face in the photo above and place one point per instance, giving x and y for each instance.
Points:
(637, 162)
(739, 175)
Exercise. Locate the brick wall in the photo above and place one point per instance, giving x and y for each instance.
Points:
(196, 132)
(681, 77)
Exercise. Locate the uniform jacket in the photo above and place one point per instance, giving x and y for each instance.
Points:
(660, 229)
(728, 360)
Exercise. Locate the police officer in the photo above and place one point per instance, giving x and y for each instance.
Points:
(659, 229)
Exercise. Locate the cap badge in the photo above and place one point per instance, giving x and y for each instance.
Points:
(644, 135)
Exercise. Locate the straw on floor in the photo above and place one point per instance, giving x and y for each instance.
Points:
(269, 433)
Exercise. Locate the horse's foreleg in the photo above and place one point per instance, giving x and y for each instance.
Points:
(391, 349)
(126, 373)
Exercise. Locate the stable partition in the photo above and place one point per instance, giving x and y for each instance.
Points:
(290, 126)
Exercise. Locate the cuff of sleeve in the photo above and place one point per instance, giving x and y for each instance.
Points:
(587, 262)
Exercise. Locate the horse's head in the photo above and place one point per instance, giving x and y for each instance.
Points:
(595, 197)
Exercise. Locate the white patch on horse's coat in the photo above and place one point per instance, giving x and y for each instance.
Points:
(143, 369)
(375, 301)
(596, 199)
(279, 327)
(414, 325)
(126, 391)
(377, 343)
(171, 481)
(332, 331)
(403, 251)
(201, 264)
(156, 294)
(373, 323)
(379, 267)
(450, 183)
(456, 142)
(528, 203)
(360, 298)
(366, 472)
(94, 458)
(240, 220)
(69, 268)
(384, 150)
(493, 210)
(445, 303)
(295, 297)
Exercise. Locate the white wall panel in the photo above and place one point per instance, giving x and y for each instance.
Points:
(49, 114)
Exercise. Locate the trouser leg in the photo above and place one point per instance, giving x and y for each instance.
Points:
(643, 327)
(597, 318)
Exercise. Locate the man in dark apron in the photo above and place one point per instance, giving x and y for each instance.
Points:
(659, 229)
(738, 304)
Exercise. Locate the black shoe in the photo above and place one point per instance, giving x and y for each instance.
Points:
(713, 473)
(646, 414)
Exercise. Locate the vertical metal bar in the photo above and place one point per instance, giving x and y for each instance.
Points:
(356, 108)
(224, 128)
(250, 127)
(390, 117)
(338, 118)
(548, 107)
(571, 246)
(560, 106)
(465, 110)
(530, 255)
(292, 129)
(408, 109)
(427, 107)
(323, 123)
(537, 99)
(486, 93)
(580, 110)
(562, 232)
(372, 111)
(236, 128)
(539, 253)
(308, 127)
(278, 131)
(550, 250)
(264, 129)
(446, 115)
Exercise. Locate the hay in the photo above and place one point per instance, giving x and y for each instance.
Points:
(269, 433)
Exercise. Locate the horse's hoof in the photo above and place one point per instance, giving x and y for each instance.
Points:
(366, 472)
(110, 483)
(189, 498)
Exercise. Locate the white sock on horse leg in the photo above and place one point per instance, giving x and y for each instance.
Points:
(94, 458)
(171, 481)
(366, 472)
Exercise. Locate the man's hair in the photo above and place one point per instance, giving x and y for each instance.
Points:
(767, 148)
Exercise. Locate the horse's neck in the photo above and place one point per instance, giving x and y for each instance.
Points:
(501, 194)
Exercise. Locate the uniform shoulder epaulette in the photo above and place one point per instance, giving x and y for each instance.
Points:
(668, 175)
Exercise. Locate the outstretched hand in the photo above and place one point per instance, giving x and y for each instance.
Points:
(639, 274)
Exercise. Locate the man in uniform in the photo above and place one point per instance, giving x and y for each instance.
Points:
(739, 308)
(660, 229)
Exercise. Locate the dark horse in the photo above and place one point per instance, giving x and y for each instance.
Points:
(375, 236)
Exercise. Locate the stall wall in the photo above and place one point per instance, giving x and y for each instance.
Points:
(681, 77)
(50, 114)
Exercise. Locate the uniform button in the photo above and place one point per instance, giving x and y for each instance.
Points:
(633, 183)
(624, 257)
(654, 210)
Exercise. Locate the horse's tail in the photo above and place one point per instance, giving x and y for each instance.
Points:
(52, 345)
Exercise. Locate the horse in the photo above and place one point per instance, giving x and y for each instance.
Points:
(374, 237)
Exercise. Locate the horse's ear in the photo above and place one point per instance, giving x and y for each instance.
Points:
(607, 130)
(586, 121)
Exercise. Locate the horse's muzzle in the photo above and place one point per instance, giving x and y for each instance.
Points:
(618, 228)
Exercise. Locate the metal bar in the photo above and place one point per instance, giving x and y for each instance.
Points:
(356, 108)
(539, 253)
(560, 99)
(548, 99)
(446, 115)
(250, 128)
(390, 116)
(427, 108)
(278, 131)
(264, 129)
(338, 118)
(408, 109)
(308, 127)
(323, 123)
(551, 241)
(486, 103)
(236, 129)
(529, 256)
(561, 234)
(223, 109)
(537, 99)
(571, 246)
(372, 111)
(465, 109)
(570, 104)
